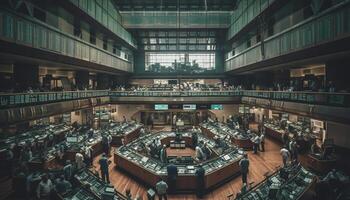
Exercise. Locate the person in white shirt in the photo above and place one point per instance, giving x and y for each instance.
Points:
(44, 188)
(256, 143)
(88, 156)
(285, 155)
(79, 160)
(199, 153)
(262, 142)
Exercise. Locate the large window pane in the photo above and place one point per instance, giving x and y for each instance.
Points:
(179, 62)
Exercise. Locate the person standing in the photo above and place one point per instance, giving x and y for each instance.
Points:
(262, 142)
(44, 188)
(293, 148)
(79, 160)
(62, 185)
(285, 155)
(88, 156)
(109, 140)
(105, 144)
(172, 175)
(256, 143)
(128, 194)
(244, 164)
(161, 188)
(104, 168)
(194, 137)
(124, 119)
(200, 172)
(68, 170)
(199, 153)
(163, 154)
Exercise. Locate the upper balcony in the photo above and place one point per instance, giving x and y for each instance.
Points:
(24, 36)
(311, 98)
(319, 105)
(174, 20)
(314, 35)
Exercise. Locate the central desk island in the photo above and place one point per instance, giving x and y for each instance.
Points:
(219, 169)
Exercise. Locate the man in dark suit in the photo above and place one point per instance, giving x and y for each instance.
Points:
(244, 164)
(172, 174)
(200, 172)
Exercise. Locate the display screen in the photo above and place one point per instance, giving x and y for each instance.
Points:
(161, 107)
(189, 107)
(216, 107)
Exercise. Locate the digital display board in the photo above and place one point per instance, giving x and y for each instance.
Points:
(161, 107)
(189, 106)
(216, 107)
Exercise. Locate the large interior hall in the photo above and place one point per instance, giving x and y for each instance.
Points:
(174, 99)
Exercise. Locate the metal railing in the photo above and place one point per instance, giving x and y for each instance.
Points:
(330, 25)
(20, 99)
(171, 19)
(34, 33)
(317, 98)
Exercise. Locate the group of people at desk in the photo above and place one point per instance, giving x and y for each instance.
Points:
(202, 149)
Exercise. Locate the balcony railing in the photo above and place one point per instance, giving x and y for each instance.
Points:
(317, 98)
(170, 19)
(20, 99)
(33, 33)
(330, 25)
(314, 98)
(174, 93)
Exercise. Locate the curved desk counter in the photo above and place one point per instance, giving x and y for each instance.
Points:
(127, 131)
(237, 136)
(218, 169)
(298, 183)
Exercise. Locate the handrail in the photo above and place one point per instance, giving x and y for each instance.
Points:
(317, 98)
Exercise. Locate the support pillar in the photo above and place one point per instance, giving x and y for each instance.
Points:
(26, 76)
(82, 80)
(103, 81)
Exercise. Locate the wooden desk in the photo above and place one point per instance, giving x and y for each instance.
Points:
(243, 143)
(322, 166)
(184, 182)
(273, 133)
(128, 137)
(96, 150)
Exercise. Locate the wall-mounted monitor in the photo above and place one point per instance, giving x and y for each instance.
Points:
(189, 106)
(216, 107)
(161, 106)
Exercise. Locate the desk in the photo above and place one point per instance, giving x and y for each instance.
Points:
(319, 165)
(150, 170)
(128, 133)
(299, 182)
(238, 137)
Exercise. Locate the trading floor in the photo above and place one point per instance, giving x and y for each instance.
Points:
(174, 99)
(261, 164)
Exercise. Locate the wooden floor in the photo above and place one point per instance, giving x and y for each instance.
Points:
(260, 164)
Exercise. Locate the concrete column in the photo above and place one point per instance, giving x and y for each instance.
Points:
(25, 76)
(82, 79)
(337, 72)
(103, 81)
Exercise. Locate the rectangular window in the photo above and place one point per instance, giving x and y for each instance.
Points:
(179, 62)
